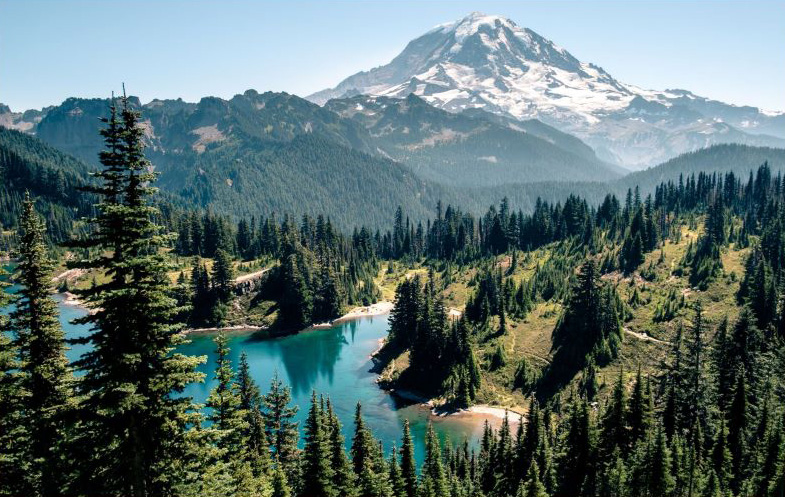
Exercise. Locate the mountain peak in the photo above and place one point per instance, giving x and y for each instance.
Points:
(473, 21)
(491, 63)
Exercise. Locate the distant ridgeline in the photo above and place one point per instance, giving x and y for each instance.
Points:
(309, 174)
(356, 159)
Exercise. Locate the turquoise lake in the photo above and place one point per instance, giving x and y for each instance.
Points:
(334, 362)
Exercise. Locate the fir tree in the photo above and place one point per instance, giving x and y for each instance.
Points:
(131, 372)
(588, 329)
(281, 430)
(580, 452)
(223, 275)
(250, 404)
(721, 461)
(660, 481)
(318, 474)
(280, 484)
(533, 486)
(614, 422)
(14, 456)
(296, 303)
(344, 478)
(45, 375)
(738, 428)
(224, 403)
(433, 471)
(408, 466)
(640, 409)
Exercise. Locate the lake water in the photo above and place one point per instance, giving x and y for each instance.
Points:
(334, 362)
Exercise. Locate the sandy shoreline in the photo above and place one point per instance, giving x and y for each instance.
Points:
(376, 309)
(479, 412)
(71, 299)
(231, 330)
(483, 410)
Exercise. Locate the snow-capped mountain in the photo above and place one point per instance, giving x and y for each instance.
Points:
(489, 62)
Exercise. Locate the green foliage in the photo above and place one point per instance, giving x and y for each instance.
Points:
(46, 383)
(589, 329)
(318, 473)
(442, 355)
(131, 372)
(29, 165)
(710, 423)
(281, 430)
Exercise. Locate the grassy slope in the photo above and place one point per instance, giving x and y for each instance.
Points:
(646, 343)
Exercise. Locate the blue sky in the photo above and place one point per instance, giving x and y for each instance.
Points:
(729, 50)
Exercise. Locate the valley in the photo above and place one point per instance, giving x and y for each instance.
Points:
(482, 268)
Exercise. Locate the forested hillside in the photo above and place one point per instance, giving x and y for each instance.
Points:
(27, 164)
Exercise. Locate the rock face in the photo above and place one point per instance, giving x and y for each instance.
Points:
(471, 148)
(490, 63)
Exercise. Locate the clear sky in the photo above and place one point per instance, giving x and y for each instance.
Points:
(49, 50)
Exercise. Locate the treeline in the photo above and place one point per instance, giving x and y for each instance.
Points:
(116, 422)
(637, 225)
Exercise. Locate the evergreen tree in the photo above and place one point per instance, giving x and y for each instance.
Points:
(396, 479)
(580, 452)
(296, 304)
(738, 427)
(408, 466)
(368, 461)
(344, 478)
(614, 481)
(533, 486)
(223, 275)
(45, 375)
(280, 484)
(433, 470)
(660, 481)
(588, 329)
(282, 432)
(14, 456)
(362, 444)
(131, 372)
(721, 461)
(224, 403)
(250, 405)
(614, 423)
(640, 409)
(318, 474)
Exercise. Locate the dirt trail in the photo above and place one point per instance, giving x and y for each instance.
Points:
(250, 276)
(643, 336)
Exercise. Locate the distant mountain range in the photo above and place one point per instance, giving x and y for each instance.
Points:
(470, 112)
(471, 148)
(490, 63)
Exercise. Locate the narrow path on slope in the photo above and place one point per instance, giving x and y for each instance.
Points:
(250, 276)
(645, 337)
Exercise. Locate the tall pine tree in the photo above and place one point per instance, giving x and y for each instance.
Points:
(45, 374)
(132, 376)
